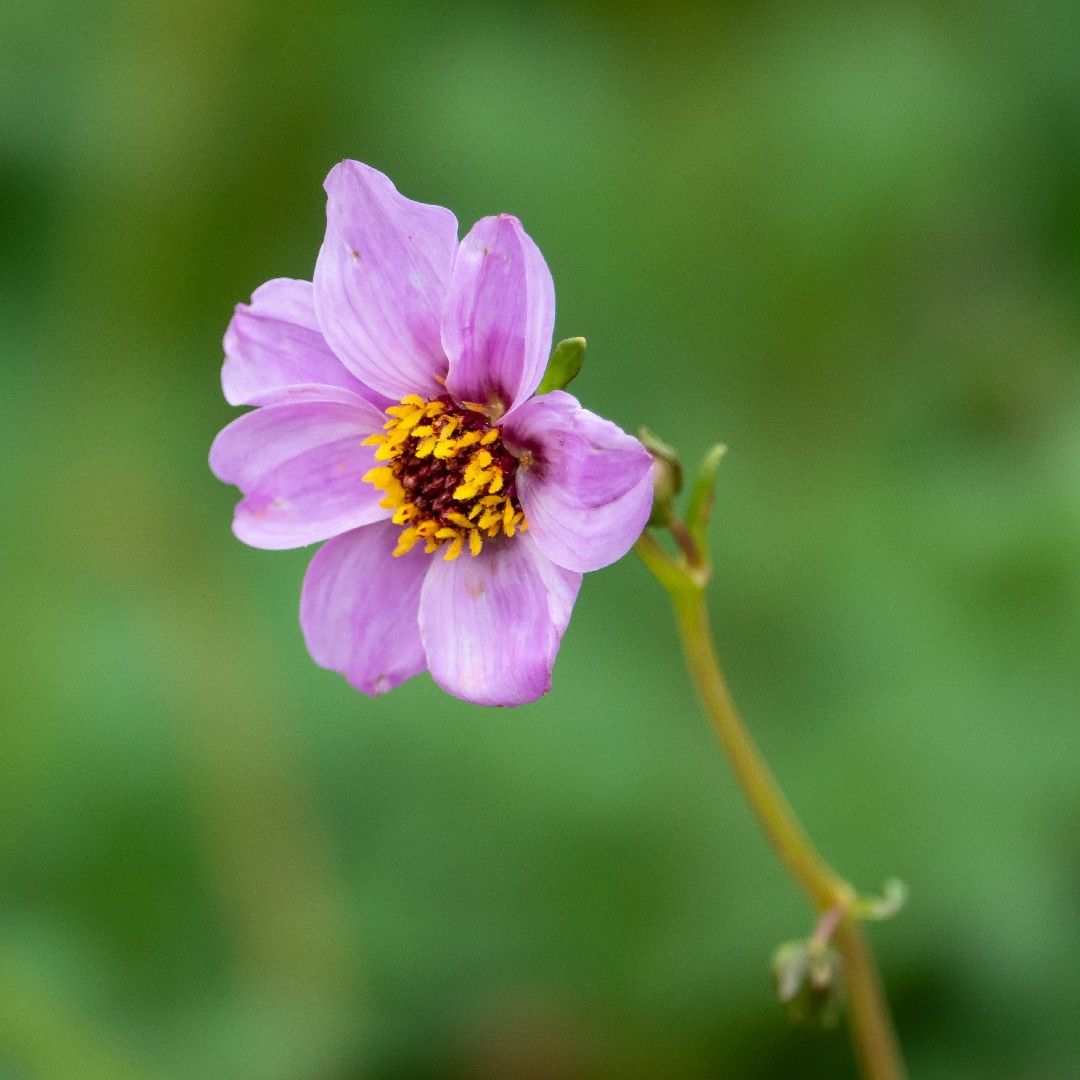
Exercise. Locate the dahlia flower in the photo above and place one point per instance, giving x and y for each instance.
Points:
(397, 419)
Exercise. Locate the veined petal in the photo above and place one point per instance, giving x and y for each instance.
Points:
(491, 624)
(585, 538)
(300, 467)
(587, 491)
(359, 606)
(381, 281)
(275, 352)
(497, 323)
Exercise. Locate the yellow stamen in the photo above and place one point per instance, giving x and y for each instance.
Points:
(406, 541)
(397, 439)
(379, 476)
(426, 445)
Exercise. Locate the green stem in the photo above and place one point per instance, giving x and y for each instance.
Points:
(869, 1020)
(763, 793)
(875, 1043)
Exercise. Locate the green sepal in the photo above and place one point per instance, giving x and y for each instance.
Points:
(564, 365)
(701, 496)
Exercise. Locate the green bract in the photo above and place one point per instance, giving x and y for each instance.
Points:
(564, 365)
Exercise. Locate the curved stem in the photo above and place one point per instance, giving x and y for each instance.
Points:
(872, 1033)
(776, 817)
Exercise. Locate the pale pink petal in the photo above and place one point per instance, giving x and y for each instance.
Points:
(491, 625)
(300, 468)
(496, 327)
(275, 352)
(358, 609)
(381, 281)
(587, 490)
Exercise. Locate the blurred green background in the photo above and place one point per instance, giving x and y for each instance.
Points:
(843, 238)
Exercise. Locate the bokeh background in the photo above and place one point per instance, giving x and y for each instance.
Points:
(842, 238)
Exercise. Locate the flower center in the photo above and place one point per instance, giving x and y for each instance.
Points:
(448, 478)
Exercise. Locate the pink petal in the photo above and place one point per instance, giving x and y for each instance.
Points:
(491, 625)
(381, 281)
(358, 609)
(300, 467)
(496, 327)
(275, 352)
(588, 491)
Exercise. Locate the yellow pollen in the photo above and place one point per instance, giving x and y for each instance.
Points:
(447, 477)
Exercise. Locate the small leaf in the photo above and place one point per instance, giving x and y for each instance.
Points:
(893, 898)
(564, 365)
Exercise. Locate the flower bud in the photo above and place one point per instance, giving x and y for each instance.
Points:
(667, 476)
(809, 983)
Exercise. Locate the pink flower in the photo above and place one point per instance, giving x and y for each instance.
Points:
(397, 421)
